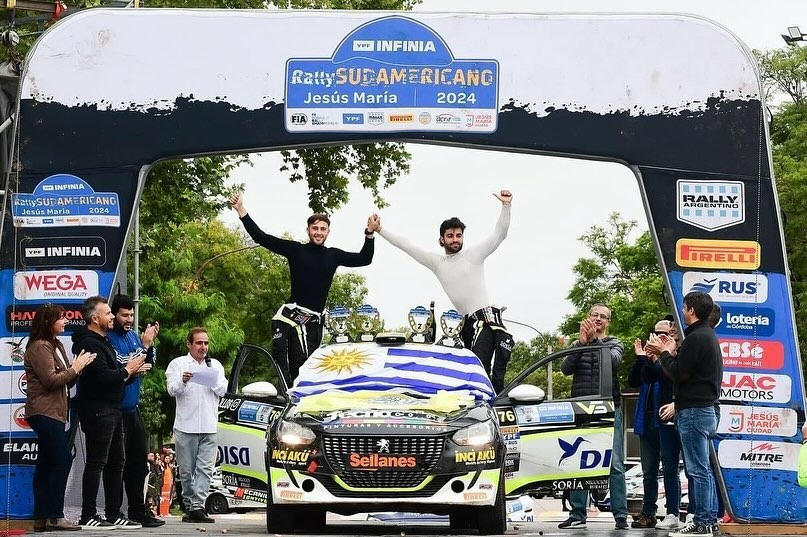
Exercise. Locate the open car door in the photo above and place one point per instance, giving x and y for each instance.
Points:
(555, 442)
(255, 396)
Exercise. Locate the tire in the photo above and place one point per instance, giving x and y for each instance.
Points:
(279, 518)
(493, 520)
(461, 519)
(216, 504)
(311, 519)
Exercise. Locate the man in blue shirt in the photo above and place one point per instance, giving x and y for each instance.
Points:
(127, 345)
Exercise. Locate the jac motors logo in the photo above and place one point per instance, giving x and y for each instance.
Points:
(715, 254)
(764, 421)
(754, 454)
(752, 354)
(50, 284)
(378, 461)
(711, 205)
(755, 387)
(728, 287)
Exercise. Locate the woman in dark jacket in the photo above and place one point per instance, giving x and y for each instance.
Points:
(49, 373)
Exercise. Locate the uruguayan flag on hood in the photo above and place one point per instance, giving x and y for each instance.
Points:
(424, 370)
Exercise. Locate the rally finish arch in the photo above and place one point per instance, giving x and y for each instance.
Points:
(105, 93)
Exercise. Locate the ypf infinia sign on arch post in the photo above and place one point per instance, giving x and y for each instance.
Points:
(688, 120)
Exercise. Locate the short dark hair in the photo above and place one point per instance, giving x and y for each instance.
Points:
(88, 308)
(121, 302)
(42, 325)
(702, 303)
(319, 218)
(714, 316)
(451, 223)
(196, 330)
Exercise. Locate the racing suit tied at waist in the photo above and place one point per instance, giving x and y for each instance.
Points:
(489, 315)
(297, 314)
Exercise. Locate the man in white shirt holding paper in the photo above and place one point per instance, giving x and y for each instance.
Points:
(197, 382)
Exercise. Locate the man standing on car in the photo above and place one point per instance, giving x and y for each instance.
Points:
(100, 393)
(585, 368)
(297, 325)
(461, 272)
(697, 371)
(196, 419)
(127, 344)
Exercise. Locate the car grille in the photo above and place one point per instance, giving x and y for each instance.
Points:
(427, 449)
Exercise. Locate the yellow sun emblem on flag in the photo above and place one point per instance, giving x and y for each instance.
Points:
(340, 360)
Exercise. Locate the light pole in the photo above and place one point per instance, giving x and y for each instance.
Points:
(549, 347)
(793, 35)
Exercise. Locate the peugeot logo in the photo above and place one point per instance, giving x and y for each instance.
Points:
(383, 445)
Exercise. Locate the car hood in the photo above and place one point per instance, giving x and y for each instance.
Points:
(369, 412)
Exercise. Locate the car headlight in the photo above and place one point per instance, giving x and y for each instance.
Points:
(289, 432)
(478, 434)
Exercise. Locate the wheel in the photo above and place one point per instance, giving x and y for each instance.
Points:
(279, 518)
(311, 519)
(493, 520)
(460, 519)
(216, 504)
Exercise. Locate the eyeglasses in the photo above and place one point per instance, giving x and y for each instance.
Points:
(661, 333)
(594, 315)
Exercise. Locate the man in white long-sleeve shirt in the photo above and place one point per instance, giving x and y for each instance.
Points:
(461, 272)
(196, 420)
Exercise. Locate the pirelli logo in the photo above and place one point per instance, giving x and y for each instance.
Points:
(714, 254)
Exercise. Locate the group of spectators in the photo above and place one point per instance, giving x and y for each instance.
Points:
(677, 414)
(109, 361)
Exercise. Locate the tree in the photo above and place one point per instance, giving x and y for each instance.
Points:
(784, 73)
(625, 275)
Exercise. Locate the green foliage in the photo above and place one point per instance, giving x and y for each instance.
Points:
(624, 275)
(784, 73)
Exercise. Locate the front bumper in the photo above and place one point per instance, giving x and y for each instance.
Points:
(292, 487)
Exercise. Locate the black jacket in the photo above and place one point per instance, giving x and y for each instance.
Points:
(102, 381)
(585, 366)
(697, 371)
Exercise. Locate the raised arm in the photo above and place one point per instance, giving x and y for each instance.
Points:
(425, 258)
(270, 242)
(489, 245)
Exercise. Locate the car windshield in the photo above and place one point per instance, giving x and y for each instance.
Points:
(419, 370)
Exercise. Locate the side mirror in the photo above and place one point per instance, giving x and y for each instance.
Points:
(527, 393)
(259, 389)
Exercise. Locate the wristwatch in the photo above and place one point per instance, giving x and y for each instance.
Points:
(368, 232)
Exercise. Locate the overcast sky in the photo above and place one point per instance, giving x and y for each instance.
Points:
(555, 201)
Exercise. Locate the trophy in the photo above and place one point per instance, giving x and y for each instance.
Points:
(368, 322)
(337, 324)
(451, 324)
(420, 321)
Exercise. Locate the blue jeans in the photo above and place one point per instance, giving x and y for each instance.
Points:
(578, 499)
(53, 463)
(696, 426)
(196, 456)
(670, 455)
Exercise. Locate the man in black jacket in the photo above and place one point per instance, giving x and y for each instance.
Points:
(697, 371)
(100, 392)
(297, 325)
(585, 368)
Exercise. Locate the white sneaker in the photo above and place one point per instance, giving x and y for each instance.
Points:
(670, 522)
(690, 518)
